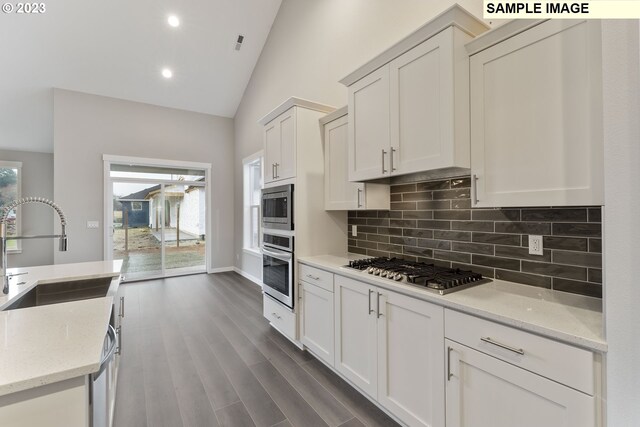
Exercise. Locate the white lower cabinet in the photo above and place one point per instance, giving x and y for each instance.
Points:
(500, 376)
(316, 321)
(391, 347)
(484, 391)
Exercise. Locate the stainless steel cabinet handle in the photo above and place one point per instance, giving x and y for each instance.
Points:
(273, 171)
(121, 306)
(313, 277)
(359, 191)
(378, 306)
(277, 175)
(119, 334)
(370, 292)
(488, 340)
(383, 153)
(449, 374)
(276, 316)
(474, 184)
(393, 150)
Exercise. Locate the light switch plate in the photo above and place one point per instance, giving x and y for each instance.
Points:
(93, 224)
(354, 230)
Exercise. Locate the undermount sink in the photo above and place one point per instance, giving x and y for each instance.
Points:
(58, 292)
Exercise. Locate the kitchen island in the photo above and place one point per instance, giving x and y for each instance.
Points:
(49, 352)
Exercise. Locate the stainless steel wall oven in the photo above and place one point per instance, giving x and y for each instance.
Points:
(277, 267)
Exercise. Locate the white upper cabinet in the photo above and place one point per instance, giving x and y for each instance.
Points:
(409, 106)
(340, 194)
(284, 128)
(369, 126)
(280, 147)
(536, 115)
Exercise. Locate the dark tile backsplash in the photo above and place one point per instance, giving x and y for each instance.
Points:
(433, 222)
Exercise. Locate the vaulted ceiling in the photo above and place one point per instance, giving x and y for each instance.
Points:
(118, 48)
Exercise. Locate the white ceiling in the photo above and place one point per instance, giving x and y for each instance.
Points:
(118, 48)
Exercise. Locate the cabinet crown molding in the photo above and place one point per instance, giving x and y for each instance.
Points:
(295, 102)
(502, 33)
(455, 16)
(340, 112)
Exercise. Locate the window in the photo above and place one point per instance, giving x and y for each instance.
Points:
(252, 177)
(136, 206)
(10, 186)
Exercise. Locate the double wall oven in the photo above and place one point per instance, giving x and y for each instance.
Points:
(278, 244)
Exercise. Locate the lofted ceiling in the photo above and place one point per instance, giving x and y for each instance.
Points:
(118, 48)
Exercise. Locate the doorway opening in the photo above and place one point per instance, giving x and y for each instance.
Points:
(157, 215)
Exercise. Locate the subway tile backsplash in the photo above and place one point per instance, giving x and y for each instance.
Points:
(433, 222)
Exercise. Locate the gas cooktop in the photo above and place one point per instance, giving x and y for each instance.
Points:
(427, 276)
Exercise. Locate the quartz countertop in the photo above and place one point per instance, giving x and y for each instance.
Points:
(46, 344)
(566, 317)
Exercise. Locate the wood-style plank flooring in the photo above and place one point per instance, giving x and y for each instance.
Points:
(196, 352)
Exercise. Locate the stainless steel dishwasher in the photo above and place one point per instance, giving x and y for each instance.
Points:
(102, 383)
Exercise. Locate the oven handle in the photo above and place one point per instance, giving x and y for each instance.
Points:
(280, 255)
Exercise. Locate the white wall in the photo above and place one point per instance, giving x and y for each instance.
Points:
(312, 45)
(621, 75)
(88, 126)
(37, 181)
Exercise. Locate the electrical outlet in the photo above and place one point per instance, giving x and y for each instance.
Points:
(535, 245)
(354, 230)
(93, 224)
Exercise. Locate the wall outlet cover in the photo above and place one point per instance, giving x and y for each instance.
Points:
(535, 245)
(354, 230)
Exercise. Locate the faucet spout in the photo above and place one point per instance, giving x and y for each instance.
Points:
(4, 237)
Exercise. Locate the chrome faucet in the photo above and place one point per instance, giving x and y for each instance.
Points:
(4, 237)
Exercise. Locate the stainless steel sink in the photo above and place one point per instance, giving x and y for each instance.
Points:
(57, 292)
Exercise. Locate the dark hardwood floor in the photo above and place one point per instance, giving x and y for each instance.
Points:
(197, 352)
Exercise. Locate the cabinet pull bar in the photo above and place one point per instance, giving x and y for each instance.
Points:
(383, 153)
(378, 306)
(449, 374)
(359, 191)
(121, 306)
(370, 292)
(488, 340)
(475, 189)
(393, 150)
(277, 175)
(273, 171)
(313, 277)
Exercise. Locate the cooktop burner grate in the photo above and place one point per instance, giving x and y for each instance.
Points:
(429, 276)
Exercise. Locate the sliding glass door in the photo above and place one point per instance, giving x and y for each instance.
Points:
(158, 217)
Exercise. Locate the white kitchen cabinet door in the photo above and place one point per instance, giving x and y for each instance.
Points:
(340, 194)
(317, 331)
(271, 150)
(280, 147)
(484, 391)
(536, 118)
(369, 155)
(422, 107)
(356, 333)
(411, 359)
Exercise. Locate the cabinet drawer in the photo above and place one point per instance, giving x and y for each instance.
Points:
(560, 362)
(317, 277)
(279, 316)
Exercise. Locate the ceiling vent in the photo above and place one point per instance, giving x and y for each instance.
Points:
(239, 41)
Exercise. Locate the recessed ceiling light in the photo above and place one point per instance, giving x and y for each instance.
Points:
(173, 20)
(167, 73)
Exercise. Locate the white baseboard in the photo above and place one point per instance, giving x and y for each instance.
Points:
(246, 275)
(219, 270)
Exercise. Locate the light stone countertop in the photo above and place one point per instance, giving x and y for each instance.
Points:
(570, 318)
(50, 343)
